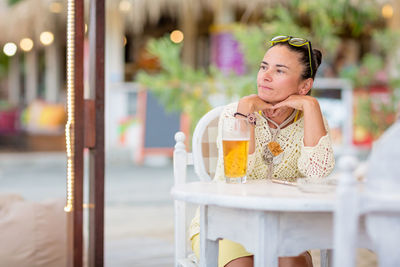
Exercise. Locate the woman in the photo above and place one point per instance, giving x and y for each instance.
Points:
(289, 138)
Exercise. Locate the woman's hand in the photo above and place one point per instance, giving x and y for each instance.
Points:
(249, 104)
(252, 103)
(299, 102)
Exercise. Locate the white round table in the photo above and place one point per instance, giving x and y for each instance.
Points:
(270, 220)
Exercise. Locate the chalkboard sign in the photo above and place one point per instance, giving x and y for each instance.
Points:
(161, 126)
(158, 127)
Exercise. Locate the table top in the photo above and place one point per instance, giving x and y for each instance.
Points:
(254, 195)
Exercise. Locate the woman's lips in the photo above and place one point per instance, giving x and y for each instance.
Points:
(265, 87)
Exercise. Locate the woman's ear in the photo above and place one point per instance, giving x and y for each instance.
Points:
(305, 86)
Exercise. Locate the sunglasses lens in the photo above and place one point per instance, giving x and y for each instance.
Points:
(298, 41)
(279, 38)
(295, 41)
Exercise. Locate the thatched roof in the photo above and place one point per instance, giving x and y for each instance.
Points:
(27, 18)
(151, 10)
(30, 17)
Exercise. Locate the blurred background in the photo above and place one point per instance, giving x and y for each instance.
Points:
(167, 63)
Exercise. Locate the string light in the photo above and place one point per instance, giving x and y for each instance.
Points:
(46, 38)
(26, 44)
(387, 11)
(55, 7)
(69, 127)
(125, 6)
(176, 36)
(10, 49)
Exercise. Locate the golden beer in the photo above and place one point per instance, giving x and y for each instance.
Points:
(235, 157)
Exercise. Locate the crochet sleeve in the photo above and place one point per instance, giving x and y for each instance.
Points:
(318, 160)
(228, 111)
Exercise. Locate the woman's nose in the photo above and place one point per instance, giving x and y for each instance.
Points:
(267, 75)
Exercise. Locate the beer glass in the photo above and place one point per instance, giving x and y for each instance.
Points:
(235, 143)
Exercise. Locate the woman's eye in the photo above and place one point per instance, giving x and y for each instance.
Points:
(263, 67)
(280, 71)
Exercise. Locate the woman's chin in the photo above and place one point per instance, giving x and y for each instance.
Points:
(265, 98)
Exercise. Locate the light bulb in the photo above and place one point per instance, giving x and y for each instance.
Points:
(10, 49)
(46, 38)
(176, 36)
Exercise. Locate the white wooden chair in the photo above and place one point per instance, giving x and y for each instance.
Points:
(204, 158)
(378, 203)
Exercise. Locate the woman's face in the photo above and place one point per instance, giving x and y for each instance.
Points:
(279, 75)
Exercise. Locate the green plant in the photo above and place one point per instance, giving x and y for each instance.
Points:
(363, 74)
(178, 87)
(3, 65)
(13, 2)
(376, 114)
(326, 23)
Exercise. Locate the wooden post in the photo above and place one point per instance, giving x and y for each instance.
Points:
(85, 128)
(31, 82)
(394, 23)
(188, 25)
(96, 151)
(14, 83)
(78, 140)
(52, 71)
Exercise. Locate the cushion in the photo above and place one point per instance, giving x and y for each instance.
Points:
(209, 147)
(33, 234)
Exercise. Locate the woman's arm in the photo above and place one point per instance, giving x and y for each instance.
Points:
(314, 127)
(317, 157)
(249, 104)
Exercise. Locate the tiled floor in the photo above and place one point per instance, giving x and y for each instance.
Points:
(139, 209)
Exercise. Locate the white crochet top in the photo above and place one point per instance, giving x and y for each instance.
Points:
(298, 160)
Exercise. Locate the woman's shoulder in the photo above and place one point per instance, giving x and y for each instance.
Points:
(232, 106)
(230, 109)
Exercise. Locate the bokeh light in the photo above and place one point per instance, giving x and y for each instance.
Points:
(55, 7)
(176, 36)
(10, 49)
(26, 44)
(387, 11)
(125, 6)
(46, 38)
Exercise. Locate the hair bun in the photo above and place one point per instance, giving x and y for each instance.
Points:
(317, 57)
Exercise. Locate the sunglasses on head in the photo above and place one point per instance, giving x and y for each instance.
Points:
(295, 41)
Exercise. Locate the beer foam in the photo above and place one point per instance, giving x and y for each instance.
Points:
(236, 139)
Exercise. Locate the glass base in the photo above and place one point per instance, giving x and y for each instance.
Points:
(236, 180)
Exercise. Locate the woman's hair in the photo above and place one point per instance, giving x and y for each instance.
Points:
(316, 56)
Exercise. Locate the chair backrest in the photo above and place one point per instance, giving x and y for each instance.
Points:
(204, 158)
(204, 144)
